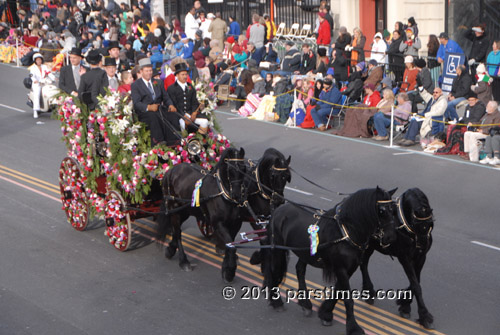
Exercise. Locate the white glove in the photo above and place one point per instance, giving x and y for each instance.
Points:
(346, 48)
(471, 61)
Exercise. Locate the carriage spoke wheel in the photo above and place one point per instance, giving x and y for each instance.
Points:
(206, 229)
(118, 226)
(73, 195)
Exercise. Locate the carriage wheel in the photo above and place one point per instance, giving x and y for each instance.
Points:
(73, 195)
(206, 229)
(118, 225)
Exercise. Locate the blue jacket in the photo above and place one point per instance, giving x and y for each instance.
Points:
(333, 96)
(187, 51)
(257, 54)
(451, 47)
(234, 29)
(493, 59)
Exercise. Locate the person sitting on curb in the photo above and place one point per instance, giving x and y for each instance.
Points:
(381, 120)
(330, 95)
(472, 136)
(434, 110)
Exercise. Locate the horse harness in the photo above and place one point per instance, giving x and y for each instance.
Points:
(260, 190)
(405, 225)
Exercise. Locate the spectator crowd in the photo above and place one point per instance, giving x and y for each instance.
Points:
(89, 46)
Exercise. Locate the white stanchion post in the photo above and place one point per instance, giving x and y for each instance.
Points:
(392, 126)
(17, 52)
(295, 113)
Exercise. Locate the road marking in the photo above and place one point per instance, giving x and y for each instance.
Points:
(30, 189)
(13, 108)
(403, 153)
(298, 191)
(236, 118)
(31, 182)
(339, 315)
(485, 245)
(326, 199)
(30, 177)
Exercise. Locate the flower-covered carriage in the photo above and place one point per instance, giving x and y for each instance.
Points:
(112, 173)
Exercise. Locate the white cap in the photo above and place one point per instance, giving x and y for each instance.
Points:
(408, 59)
(37, 55)
(210, 16)
(45, 27)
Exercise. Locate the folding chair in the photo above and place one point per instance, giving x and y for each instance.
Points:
(344, 102)
(280, 32)
(292, 34)
(305, 33)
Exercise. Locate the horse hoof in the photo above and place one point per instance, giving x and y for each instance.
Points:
(307, 312)
(405, 315)
(326, 323)
(256, 258)
(370, 301)
(186, 267)
(426, 324)
(227, 277)
(169, 253)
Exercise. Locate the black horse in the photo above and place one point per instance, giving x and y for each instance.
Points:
(343, 234)
(413, 241)
(266, 186)
(220, 193)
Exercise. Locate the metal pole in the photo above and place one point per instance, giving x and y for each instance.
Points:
(17, 52)
(392, 126)
(295, 113)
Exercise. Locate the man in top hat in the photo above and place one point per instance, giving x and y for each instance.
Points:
(183, 95)
(69, 79)
(114, 52)
(110, 68)
(154, 107)
(93, 82)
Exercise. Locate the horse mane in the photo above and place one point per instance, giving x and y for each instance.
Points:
(270, 158)
(360, 209)
(228, 153)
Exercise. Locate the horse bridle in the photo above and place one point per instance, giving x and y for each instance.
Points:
(379, 234)
(407, 226)
(228, 195)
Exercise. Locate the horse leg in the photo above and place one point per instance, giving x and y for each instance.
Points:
(173, 244)
(274, 268)
(305, 303)
(229, 264)
(367, 282)
(425, 318)
(183, 261)
(352, 327)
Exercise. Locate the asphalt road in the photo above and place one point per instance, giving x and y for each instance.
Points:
(55, 280)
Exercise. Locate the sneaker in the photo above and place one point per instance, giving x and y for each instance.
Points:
(380, 138)
(486, 160)
(408, 143)
(235, 111)
(454, 121)
(35, 114)
(495, 161)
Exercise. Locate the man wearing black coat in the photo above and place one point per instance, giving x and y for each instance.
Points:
(154, 107)
(308, 62)
(93, 82)
(183, 96)
(69, 79)
(114, 52)
(460, 90)
(479, 49)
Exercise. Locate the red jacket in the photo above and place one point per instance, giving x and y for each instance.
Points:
(372, 100)
(324, 33)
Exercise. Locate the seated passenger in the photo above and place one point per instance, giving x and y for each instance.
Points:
(183, 96)
(154, 107)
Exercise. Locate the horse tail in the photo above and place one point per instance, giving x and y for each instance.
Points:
(274, 261)
(329, 274)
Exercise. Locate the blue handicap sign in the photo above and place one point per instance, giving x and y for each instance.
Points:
(451, 63)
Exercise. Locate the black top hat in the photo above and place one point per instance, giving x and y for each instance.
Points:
(181, 67)
(108, 61)
(93, 57)
(76, 51)
(113, 44)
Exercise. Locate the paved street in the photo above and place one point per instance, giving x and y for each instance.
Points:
(56, 280)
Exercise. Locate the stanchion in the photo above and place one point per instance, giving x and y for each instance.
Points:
(17, 52)
(295, 113)
(392, 126)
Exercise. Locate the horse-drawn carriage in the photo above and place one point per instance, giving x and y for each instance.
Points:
(111, 171)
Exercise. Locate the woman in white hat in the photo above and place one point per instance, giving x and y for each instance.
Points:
(38, 73)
